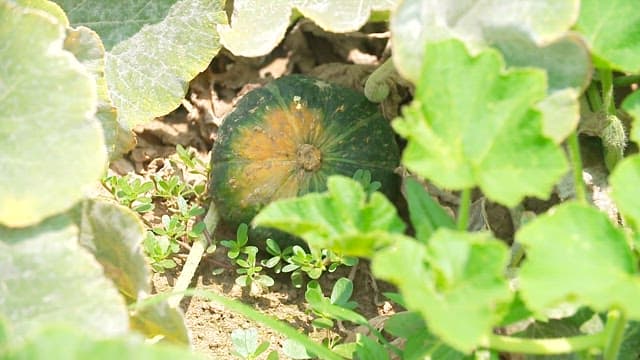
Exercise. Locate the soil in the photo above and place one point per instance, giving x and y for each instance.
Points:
(344, 59)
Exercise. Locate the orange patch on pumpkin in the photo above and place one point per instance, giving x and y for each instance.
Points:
(270, 150)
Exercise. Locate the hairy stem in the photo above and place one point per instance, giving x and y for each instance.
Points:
(576, 161)
(376, 88)
(544, 346)
(616, 322)
(463, 210)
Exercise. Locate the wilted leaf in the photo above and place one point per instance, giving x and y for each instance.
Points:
(257, 26)
(340, 219)
(455, 282)
(611, 29)
(51, 147)
(473, 124)
(114, 235)
(47, 277)
(576, 255)
(149, 72)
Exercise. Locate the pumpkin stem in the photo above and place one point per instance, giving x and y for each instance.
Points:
(309, 157)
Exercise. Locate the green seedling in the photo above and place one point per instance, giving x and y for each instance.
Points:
(172, 187)
(193, 164)
(246, 345)
(131, 192)
(159, 249)
(250, 270)
(245, 257)
(313, 263)
(364, 178)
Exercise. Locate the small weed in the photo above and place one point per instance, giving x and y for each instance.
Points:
(131, 192)
(246, 346)
(160, 249)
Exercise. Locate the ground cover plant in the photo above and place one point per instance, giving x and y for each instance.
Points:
(512, 231)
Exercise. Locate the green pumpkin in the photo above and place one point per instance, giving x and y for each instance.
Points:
(286, 138)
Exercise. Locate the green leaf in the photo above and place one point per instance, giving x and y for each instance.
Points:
(368, 348)
(114, 235)
(474, 124)
(610, 29)
(632, 105)
(295, 350)
(576, 255)
(160, 319)
(70, 343)
(115, 24)
(455, 282)
(86, 46)
(245, 342)
(630, 347)
(148, 73)
(341, 292)
(425, 213)
(560, 114)
(342, 219)
(624, 189)
(255, 29)
(48, 277)
(529, 32)
(51, 147)
(49, 7)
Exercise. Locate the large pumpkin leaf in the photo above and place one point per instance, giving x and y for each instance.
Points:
(85, 44)
(529, 32)
(56, 342)
(611, 29)
(154, 49)
(257, 26)
(114, 235)
(51, 147)
(115, 23)
(576, 255)
(455, 282)
(48, 277)
(474, 124)
(341, 219)
(148, 73)
(47, 6)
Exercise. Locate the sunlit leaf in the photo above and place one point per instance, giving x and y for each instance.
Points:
(114, 235)
(115, 24)
(625, 191)
(51, 147)
(611, 29)
(473, 124)
(632, 105)
(574, 254)
(86, 46)
(257, 27)
(56, 342)
(530, 32)
(160, 319)
(455, 282)
(148, 73)
(48, 277)
(340, 219)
